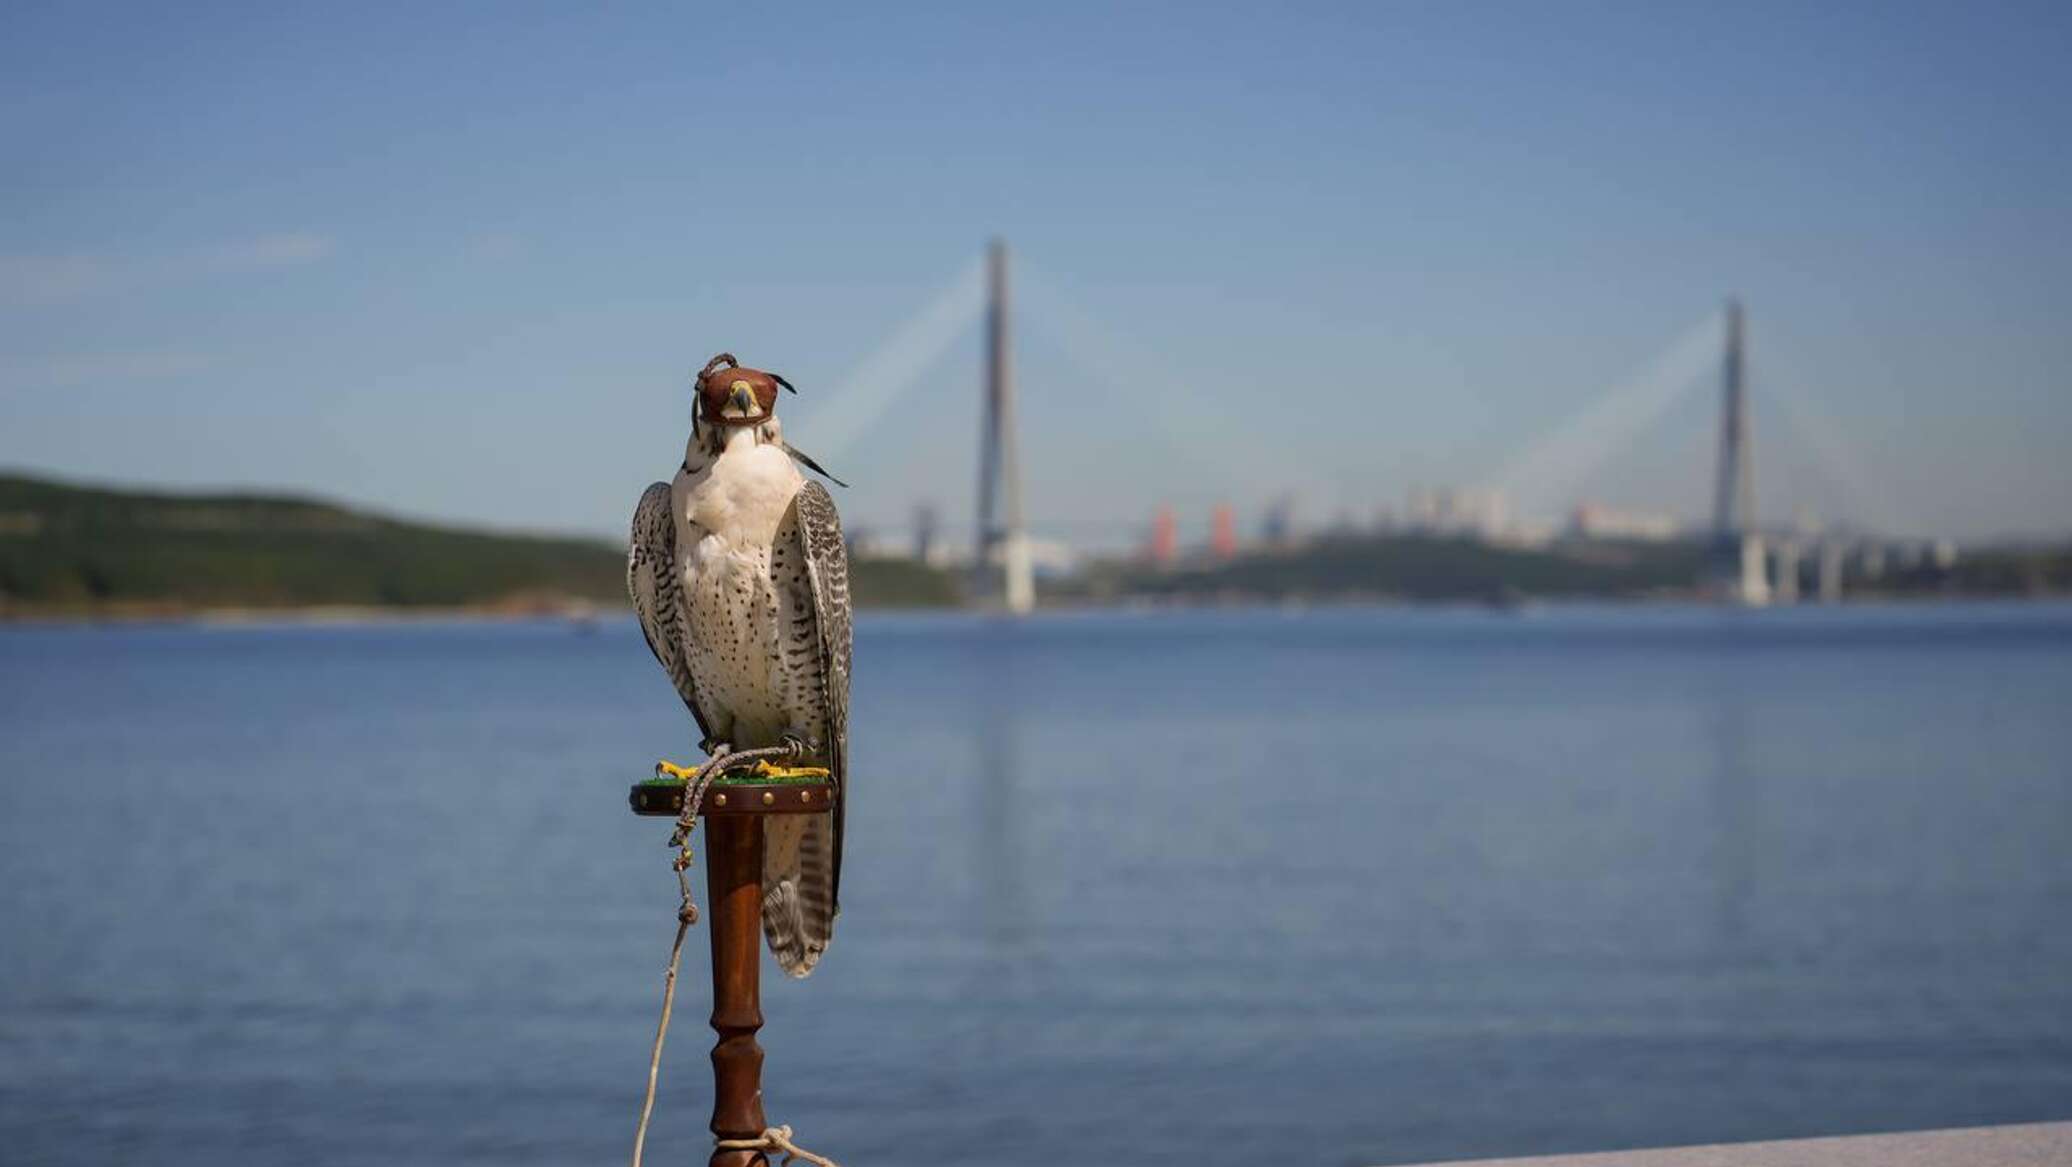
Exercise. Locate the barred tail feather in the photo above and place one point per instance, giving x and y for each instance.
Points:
(798, 889)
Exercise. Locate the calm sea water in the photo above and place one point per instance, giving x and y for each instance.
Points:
(1351, 887)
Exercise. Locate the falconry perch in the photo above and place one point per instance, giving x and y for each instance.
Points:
(741, 583)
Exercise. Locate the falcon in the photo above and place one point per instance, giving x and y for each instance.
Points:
(741, 582)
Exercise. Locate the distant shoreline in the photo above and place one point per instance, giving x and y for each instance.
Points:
(72, 553)
(584, 615)
(314, 615)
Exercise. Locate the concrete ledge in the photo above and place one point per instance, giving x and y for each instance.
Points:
(2043, 1144)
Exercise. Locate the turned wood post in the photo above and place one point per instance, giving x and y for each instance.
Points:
(733, 811)
(734, 884)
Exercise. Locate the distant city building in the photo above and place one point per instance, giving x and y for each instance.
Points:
(924, 544)
(949, 556)
(1828, 571)
(1165, 537)
(1592, 521)
(1753, 586)
(1484, 514)
(1785, 589)
(1528, 533)
(1277, 527)
(925, 533)
(1419, 509)
(867, 542)
(1052, 558)
(1872, 560)
(1222, 532)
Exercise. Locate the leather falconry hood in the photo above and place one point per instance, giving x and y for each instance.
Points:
(717, 386)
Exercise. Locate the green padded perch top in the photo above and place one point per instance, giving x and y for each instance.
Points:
(802, 791)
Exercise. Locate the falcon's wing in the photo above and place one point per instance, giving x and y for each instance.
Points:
(657, 600)
(827, 565)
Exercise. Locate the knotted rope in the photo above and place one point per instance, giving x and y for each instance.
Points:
(776, 1138)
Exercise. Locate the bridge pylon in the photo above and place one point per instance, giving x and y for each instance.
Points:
(1737, 570)
(1003, 543)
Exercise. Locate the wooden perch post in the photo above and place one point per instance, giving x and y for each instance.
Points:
(734, 883)
(733, 813)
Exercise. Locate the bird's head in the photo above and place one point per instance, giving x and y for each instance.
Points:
(731, 395)
(736, 400)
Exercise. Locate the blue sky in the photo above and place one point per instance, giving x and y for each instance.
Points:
(457, 261)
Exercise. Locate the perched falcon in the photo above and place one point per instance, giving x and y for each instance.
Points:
(741, 582)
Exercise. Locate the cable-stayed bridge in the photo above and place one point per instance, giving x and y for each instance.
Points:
(1751, 562)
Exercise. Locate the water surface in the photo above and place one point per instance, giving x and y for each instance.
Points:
(1349, 886)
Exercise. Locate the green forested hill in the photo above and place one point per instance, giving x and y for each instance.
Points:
(1423, 567)
(65, 547)
(77, 549)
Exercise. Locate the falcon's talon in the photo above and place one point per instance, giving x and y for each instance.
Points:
(668, 769)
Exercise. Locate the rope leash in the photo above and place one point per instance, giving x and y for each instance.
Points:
(776, 1138)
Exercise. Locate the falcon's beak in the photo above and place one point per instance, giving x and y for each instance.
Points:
(741, 399)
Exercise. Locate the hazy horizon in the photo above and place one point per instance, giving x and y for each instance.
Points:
(458, 265)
